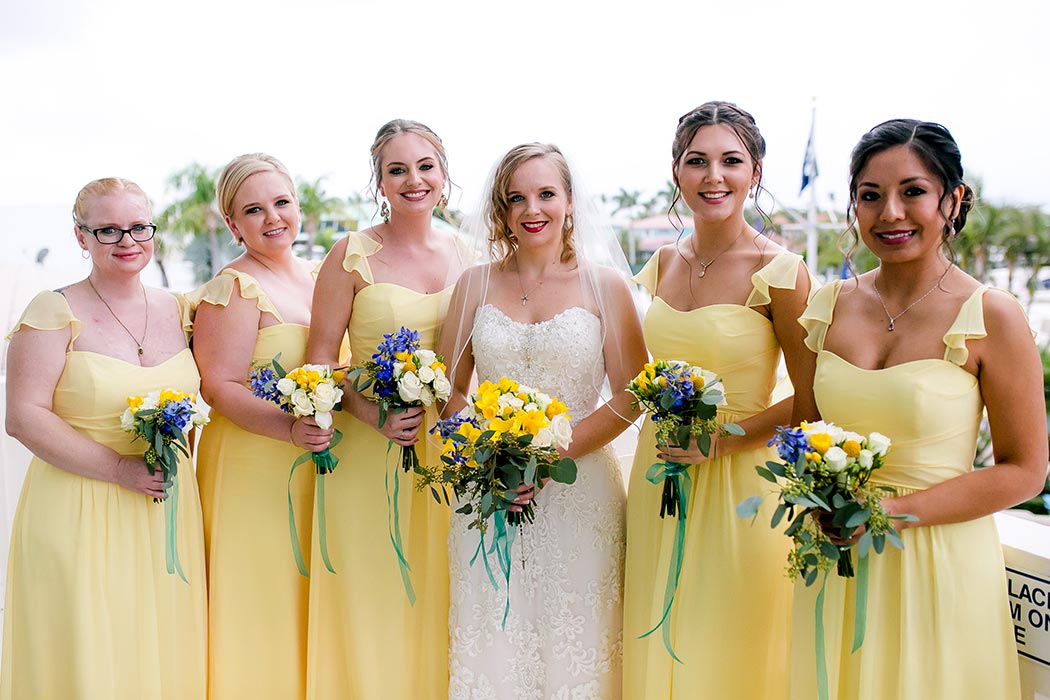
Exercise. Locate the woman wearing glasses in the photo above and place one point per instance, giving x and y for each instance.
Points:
(257, 308)
(91, 611)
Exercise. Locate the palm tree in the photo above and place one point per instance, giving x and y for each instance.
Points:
(194, 213)
(315, 204)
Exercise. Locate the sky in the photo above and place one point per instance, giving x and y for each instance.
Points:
(140, 89)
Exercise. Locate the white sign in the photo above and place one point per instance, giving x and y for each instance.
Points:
(1030, 610)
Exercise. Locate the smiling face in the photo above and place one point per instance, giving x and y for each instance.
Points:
(410, 175)
(715, 173)
(900, 213)
(121, 209)
(537, 204)
(265, 213)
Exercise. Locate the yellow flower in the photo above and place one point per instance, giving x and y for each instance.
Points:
(661, 381)
(167, 395)
(468, 431)
(507, 386)
(134, 402)
(410, 366)
(555, 408)
(338, 376)
(402, 356)
(487, 403)
(533, 421)
(438, 364)
(510, 425)
(851, 448)
(813, 456)
(820, 442)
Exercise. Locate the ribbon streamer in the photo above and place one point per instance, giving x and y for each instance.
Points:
(171, 550)
(325, 463)
(822, 664)
(679, 477)
(394, 523)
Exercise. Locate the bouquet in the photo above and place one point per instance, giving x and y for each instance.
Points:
(509, 434)
(823, 481)
(310, 390)
(163, 419)
(683, 401)
(402, 375)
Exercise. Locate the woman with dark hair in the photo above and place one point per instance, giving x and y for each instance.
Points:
(726, 298)
(917, 349)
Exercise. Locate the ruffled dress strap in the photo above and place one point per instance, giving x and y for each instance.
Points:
(818, 315)
(358, 248)
(649, 275)
(49, 311)
(185, 312)
(968, 324)
(219, 290)
(781, 273)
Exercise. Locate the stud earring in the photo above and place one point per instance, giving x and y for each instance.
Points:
(384, 211)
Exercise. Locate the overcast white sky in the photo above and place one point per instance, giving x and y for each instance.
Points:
(139, 89)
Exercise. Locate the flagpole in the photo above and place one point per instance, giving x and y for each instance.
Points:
(809, 177)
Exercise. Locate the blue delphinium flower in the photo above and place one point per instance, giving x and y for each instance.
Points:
(790, 443)
(175, 415)
(263, 384)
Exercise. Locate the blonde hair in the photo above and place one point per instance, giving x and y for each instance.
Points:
(102, 187)
(503, 243)
(240, 169)
(396, 127)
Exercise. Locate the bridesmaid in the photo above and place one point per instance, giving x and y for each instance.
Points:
(728, 299)
(366, 640)
(257, 307)
(917, 349)
(90, 610)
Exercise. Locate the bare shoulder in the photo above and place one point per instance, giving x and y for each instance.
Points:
(1003, 316)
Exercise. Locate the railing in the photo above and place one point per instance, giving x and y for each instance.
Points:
(1026, 548)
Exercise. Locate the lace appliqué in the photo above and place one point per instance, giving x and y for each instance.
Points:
(563, 638)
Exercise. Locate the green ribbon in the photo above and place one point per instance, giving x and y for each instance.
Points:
(678, 475)
(822, 664)
(860, 612)
(325, 463)
(394, 521)
(171, 550)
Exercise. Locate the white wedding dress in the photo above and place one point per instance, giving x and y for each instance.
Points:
(563, 637)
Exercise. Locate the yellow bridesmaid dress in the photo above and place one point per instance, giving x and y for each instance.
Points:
(938, 622)
(366, 641)
(91, 611)
(258, 599)
(729, 622)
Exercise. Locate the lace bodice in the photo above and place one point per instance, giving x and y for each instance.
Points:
(561, 356)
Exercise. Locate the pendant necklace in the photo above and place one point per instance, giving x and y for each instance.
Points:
(891, 317)
(705, 265)
(524, 294)
(145, 322)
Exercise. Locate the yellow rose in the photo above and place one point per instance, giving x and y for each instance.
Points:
(851, 448)
(820, 442)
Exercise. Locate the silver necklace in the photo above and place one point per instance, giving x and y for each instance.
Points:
(145, 322)
(705, 265)
(893, 319)
(524, 294)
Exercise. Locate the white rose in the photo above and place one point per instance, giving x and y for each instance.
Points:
(541, 400)
(510, 400)
(150, 400)
(324, 419)
(530, 407)
(409, 387)
(324, 397)
(426, 375)
(200, 412)
(127, 421)
(562, 431)
(301, 404)
(855, 437)
(399, 367)
(878, 443)
(544, 438)
(836, 459)
(320, 369)
(442, 387)
(426, 357)
(426, 395)
(865, 458)
(286, 386)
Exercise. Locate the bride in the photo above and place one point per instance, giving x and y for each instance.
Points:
(549, 313)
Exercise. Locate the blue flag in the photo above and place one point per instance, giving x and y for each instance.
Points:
(809, 164)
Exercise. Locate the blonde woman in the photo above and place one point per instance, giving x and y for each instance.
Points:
(91, 611)
(256, 308)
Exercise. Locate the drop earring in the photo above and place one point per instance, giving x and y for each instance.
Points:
(84, 253)
(443, 202)
(384, 211)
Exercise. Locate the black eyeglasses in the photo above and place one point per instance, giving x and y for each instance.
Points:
(111, 235)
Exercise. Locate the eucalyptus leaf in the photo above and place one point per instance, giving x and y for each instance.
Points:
(749, 508)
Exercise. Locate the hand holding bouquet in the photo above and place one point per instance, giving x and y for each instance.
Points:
(163, 419)
(683, 401)
(507, 436)
(823, 486)
(310, 390)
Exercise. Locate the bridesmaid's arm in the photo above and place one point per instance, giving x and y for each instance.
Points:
(785, 307)
(624, 355)
(333, 304)
(35, 362)
(1010, 374)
